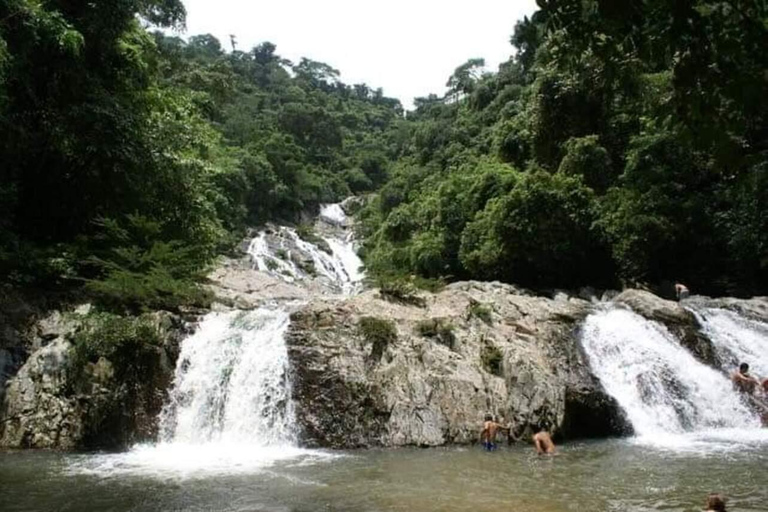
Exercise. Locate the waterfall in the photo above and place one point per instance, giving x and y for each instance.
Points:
(736, 339)
(231, 383)
(663, 389)
(330, 256)
(230, 407)
(333, 214)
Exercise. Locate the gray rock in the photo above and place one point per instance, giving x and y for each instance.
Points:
(755, 308)
(424, 393)
(57, 402)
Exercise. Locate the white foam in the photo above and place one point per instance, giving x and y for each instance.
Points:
(182, 460)
(736, 339)
(342, 268)
(333, 214)
(670, 398)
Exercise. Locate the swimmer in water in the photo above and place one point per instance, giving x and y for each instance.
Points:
(715, 503)
(543, 443)
(743, 381)
(488, 434)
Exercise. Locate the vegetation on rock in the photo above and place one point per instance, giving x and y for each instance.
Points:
(481, 311)
(491, 358)
(438, 329)
(127, 343)
(379, 333)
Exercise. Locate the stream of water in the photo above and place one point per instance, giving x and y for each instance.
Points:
(228, 439)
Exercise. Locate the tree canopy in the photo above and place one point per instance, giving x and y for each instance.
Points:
(625, 142)
(130, 158)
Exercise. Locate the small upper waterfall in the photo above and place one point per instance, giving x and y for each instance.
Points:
(232, 382)
(661, 386)
(328, 253)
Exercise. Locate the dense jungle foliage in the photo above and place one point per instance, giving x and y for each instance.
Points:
(130, 158)
(625, 142)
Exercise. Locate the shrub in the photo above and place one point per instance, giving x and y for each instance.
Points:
(400, 290)
(282, 254)
(438, 329)
(307, 266)
(434, 285)
(379, 333)
(138, 272)
(271, 264)
(540, 234)
(479, 310)
(127, 342)
(491, 358)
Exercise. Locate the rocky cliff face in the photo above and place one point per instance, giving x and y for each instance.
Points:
(51, 403)
(472, 349)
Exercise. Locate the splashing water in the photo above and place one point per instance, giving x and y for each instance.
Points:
(736, 339)
(333, 214)
(230, 409)
(231, 382)
(664, 390)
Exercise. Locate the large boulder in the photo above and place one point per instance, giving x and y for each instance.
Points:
(473, 349)
(680, 321)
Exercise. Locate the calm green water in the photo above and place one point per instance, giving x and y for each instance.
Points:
(615, 475)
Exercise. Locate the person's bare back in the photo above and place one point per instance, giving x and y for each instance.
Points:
(488, 434)
(543, 443)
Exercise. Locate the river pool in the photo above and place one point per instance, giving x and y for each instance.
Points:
(615, 475)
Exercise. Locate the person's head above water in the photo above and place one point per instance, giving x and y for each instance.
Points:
(488, 417)
(743, 367)
(716, 502)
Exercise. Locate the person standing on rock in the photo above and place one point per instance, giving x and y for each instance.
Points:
(488, 434)
(681, 291)
(543, 443)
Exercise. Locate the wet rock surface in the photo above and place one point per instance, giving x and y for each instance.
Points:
(680, 321)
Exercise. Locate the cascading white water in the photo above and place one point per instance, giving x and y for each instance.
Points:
(736, 339)
(283, 253)
(230, 407)
(334, 214)
(231, 383)
(662, 388)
